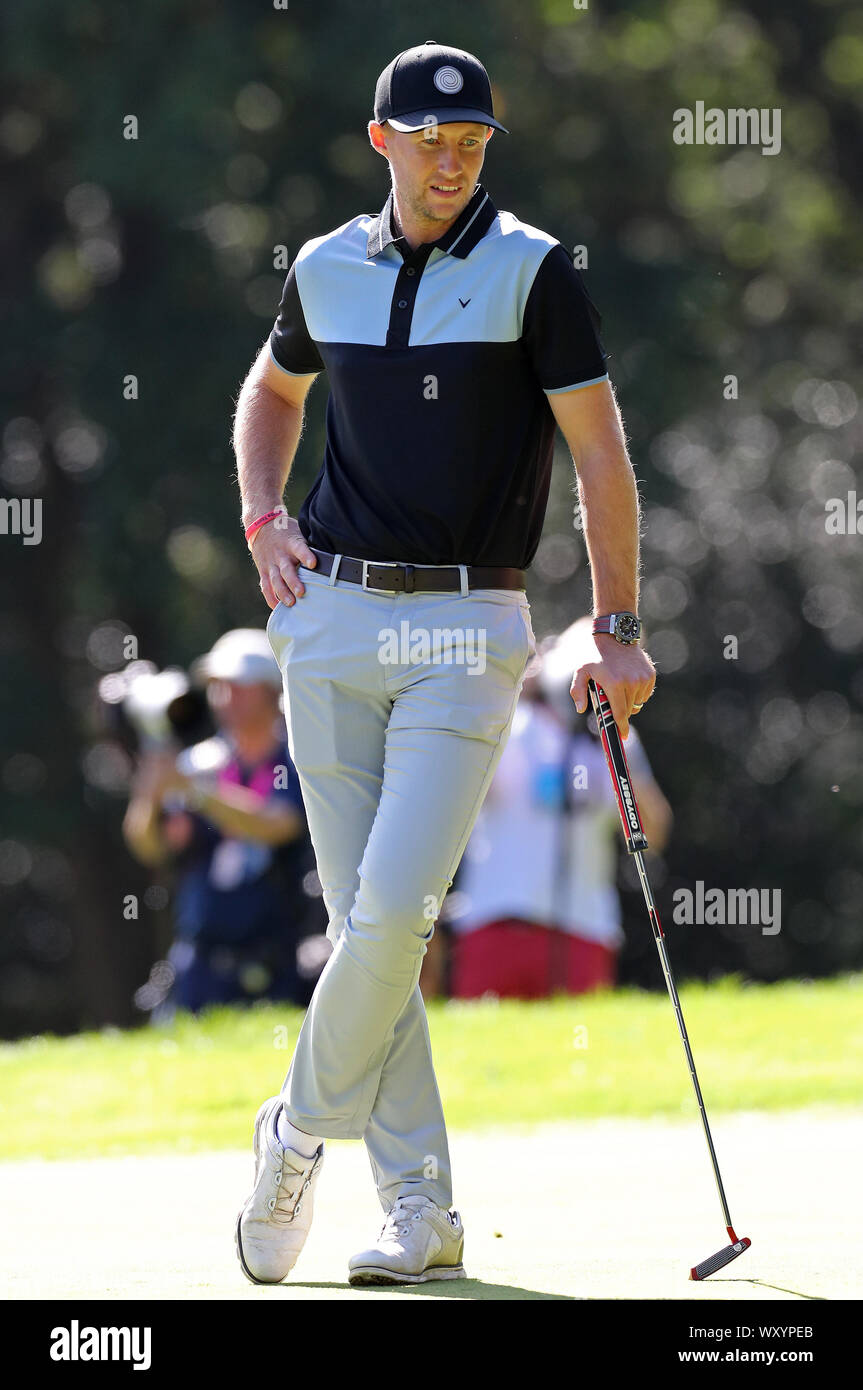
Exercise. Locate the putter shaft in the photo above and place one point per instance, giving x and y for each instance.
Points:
(636, 843)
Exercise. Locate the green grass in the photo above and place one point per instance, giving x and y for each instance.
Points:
(197, 1084)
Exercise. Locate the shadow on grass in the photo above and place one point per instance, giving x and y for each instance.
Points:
(444, 1288)
(478, 1290)
(780, 1288)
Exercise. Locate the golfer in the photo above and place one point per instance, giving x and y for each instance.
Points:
(454, 337)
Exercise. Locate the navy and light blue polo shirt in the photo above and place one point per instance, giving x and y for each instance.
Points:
(440, 362)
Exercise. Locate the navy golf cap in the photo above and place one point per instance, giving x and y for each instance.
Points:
(434, 85)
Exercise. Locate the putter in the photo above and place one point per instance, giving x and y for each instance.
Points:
(636, 844)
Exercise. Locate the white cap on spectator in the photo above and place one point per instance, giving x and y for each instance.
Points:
(564, 653)
(560, 657)
(243, 656)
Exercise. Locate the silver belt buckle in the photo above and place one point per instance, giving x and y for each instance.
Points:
(379, 564)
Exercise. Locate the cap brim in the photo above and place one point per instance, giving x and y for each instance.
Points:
(238, 672)
(418, 120)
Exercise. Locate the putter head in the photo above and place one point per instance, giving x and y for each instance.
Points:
(721, 1258)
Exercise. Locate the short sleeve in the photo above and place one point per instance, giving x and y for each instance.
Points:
(293, 349)
(560, 327)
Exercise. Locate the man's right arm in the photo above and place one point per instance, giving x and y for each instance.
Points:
(267, 428)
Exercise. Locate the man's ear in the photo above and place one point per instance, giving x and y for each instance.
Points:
(378, 137)
(489, 133)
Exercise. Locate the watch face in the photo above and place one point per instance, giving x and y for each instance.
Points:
(627, 627)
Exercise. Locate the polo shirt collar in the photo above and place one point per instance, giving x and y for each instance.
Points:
(469, 227)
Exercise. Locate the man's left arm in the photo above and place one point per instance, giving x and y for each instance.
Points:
(592, 427)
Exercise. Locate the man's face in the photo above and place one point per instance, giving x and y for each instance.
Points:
(239, 707)
(434, 170)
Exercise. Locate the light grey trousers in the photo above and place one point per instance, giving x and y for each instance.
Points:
(398, 707)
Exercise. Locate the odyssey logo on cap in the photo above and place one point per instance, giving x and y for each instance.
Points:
(448, 79)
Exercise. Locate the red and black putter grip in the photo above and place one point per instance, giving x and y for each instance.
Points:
(636, 840)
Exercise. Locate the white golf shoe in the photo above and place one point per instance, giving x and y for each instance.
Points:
(419, 1241)
(273, 1225)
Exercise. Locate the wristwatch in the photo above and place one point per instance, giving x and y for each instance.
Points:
(623, 627)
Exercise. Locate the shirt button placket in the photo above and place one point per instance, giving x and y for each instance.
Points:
(399, 329)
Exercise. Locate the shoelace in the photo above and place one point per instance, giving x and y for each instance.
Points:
(285, 1194)
(399, 1220)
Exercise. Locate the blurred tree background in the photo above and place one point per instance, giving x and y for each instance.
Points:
(153, 258)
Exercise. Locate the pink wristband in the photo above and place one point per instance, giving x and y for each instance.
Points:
(254, 527)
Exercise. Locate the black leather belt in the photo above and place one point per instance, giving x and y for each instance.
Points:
(395, 577)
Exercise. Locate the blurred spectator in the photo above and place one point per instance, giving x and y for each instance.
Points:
(536, 909)
(228, 813)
